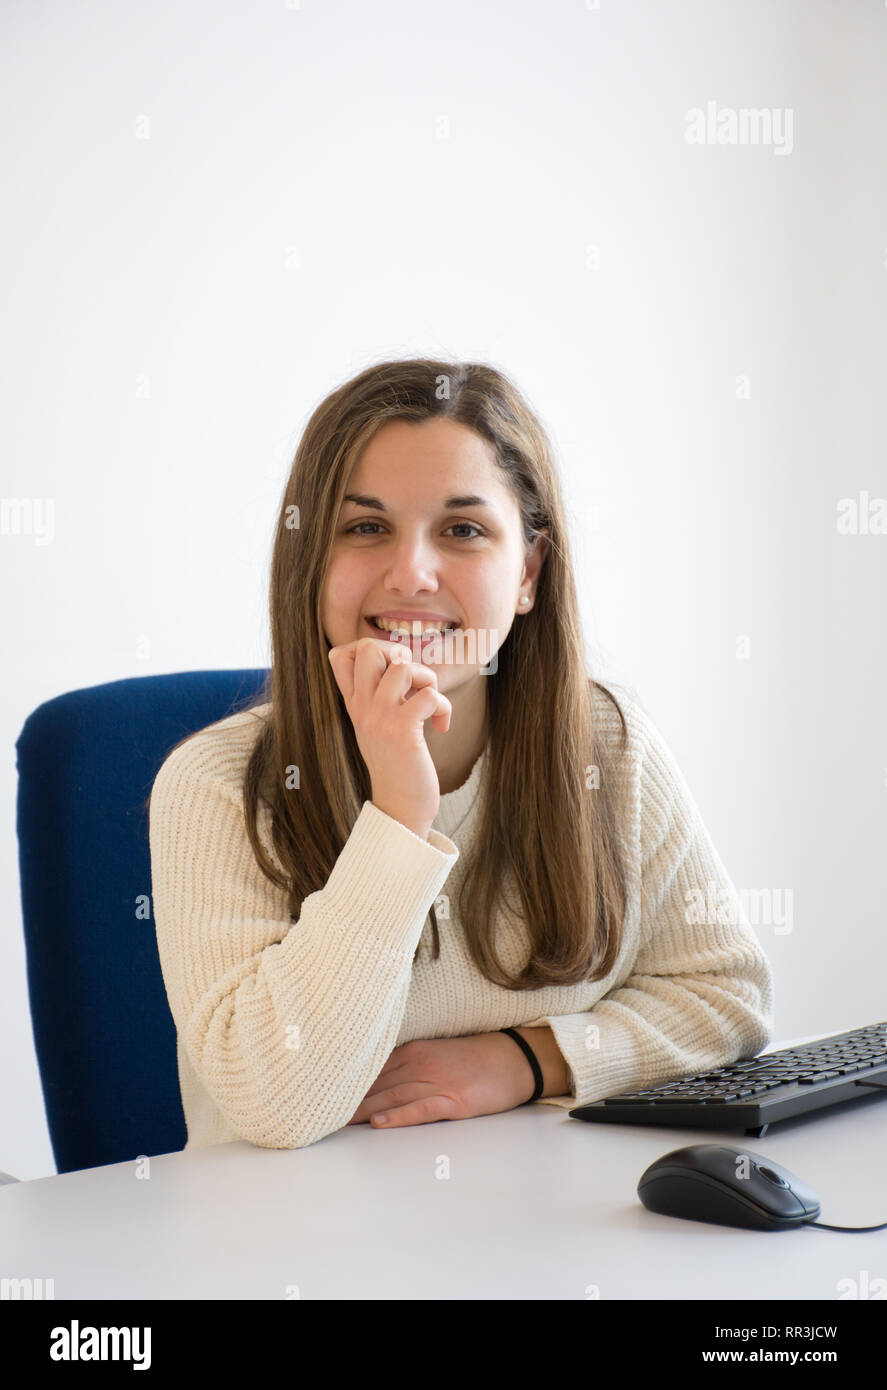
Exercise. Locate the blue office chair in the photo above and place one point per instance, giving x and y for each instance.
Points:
(103, 1033)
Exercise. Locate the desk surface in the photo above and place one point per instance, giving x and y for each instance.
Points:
(529, 1204)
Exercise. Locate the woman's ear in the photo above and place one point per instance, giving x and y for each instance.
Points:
(536, 557)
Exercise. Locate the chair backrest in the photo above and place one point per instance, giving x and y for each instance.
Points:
(103, 1032)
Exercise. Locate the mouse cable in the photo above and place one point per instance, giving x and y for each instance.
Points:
(879, 1085)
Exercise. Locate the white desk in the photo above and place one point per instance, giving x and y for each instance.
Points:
(536, 1206)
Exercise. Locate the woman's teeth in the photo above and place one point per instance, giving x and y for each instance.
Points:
(415, 628)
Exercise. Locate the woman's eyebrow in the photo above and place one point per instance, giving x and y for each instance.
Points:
(451, 504)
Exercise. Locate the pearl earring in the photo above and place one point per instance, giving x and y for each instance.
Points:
(525, 600)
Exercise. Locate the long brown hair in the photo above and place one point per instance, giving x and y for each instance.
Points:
(539, 825)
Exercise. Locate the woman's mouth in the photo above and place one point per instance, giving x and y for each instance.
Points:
(415, 633)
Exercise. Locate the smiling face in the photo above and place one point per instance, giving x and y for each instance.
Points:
(414, 553)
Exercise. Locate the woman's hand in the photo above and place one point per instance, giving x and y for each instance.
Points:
(388, 697)
(447, 1079)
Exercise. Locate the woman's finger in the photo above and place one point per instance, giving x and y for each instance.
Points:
(390, 1097)
(343, 660)
(386, 1078)
(418, 1112)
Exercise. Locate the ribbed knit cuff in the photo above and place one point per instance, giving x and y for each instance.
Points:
(387, 877)
(610, 1068)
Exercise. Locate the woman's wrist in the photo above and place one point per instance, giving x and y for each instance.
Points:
(552, 1063)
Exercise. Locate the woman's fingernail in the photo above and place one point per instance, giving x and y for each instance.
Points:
(381, 1119)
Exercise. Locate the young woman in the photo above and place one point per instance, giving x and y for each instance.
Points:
(406, 845)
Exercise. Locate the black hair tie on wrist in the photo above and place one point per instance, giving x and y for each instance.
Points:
(531, 1058)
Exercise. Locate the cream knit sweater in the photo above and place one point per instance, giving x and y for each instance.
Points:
(283, 1027)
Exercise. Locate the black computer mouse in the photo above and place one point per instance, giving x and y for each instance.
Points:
(730, 1187)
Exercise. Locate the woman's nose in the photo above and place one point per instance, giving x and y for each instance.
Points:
(413, 564)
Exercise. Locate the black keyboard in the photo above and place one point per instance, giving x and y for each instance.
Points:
(761, 1090)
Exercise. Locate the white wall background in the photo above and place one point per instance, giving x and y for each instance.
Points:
(215, 213)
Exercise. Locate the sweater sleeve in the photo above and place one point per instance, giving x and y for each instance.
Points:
(287, 1025)
(698, 992)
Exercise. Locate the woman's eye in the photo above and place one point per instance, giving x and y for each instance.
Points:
(356, 529)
